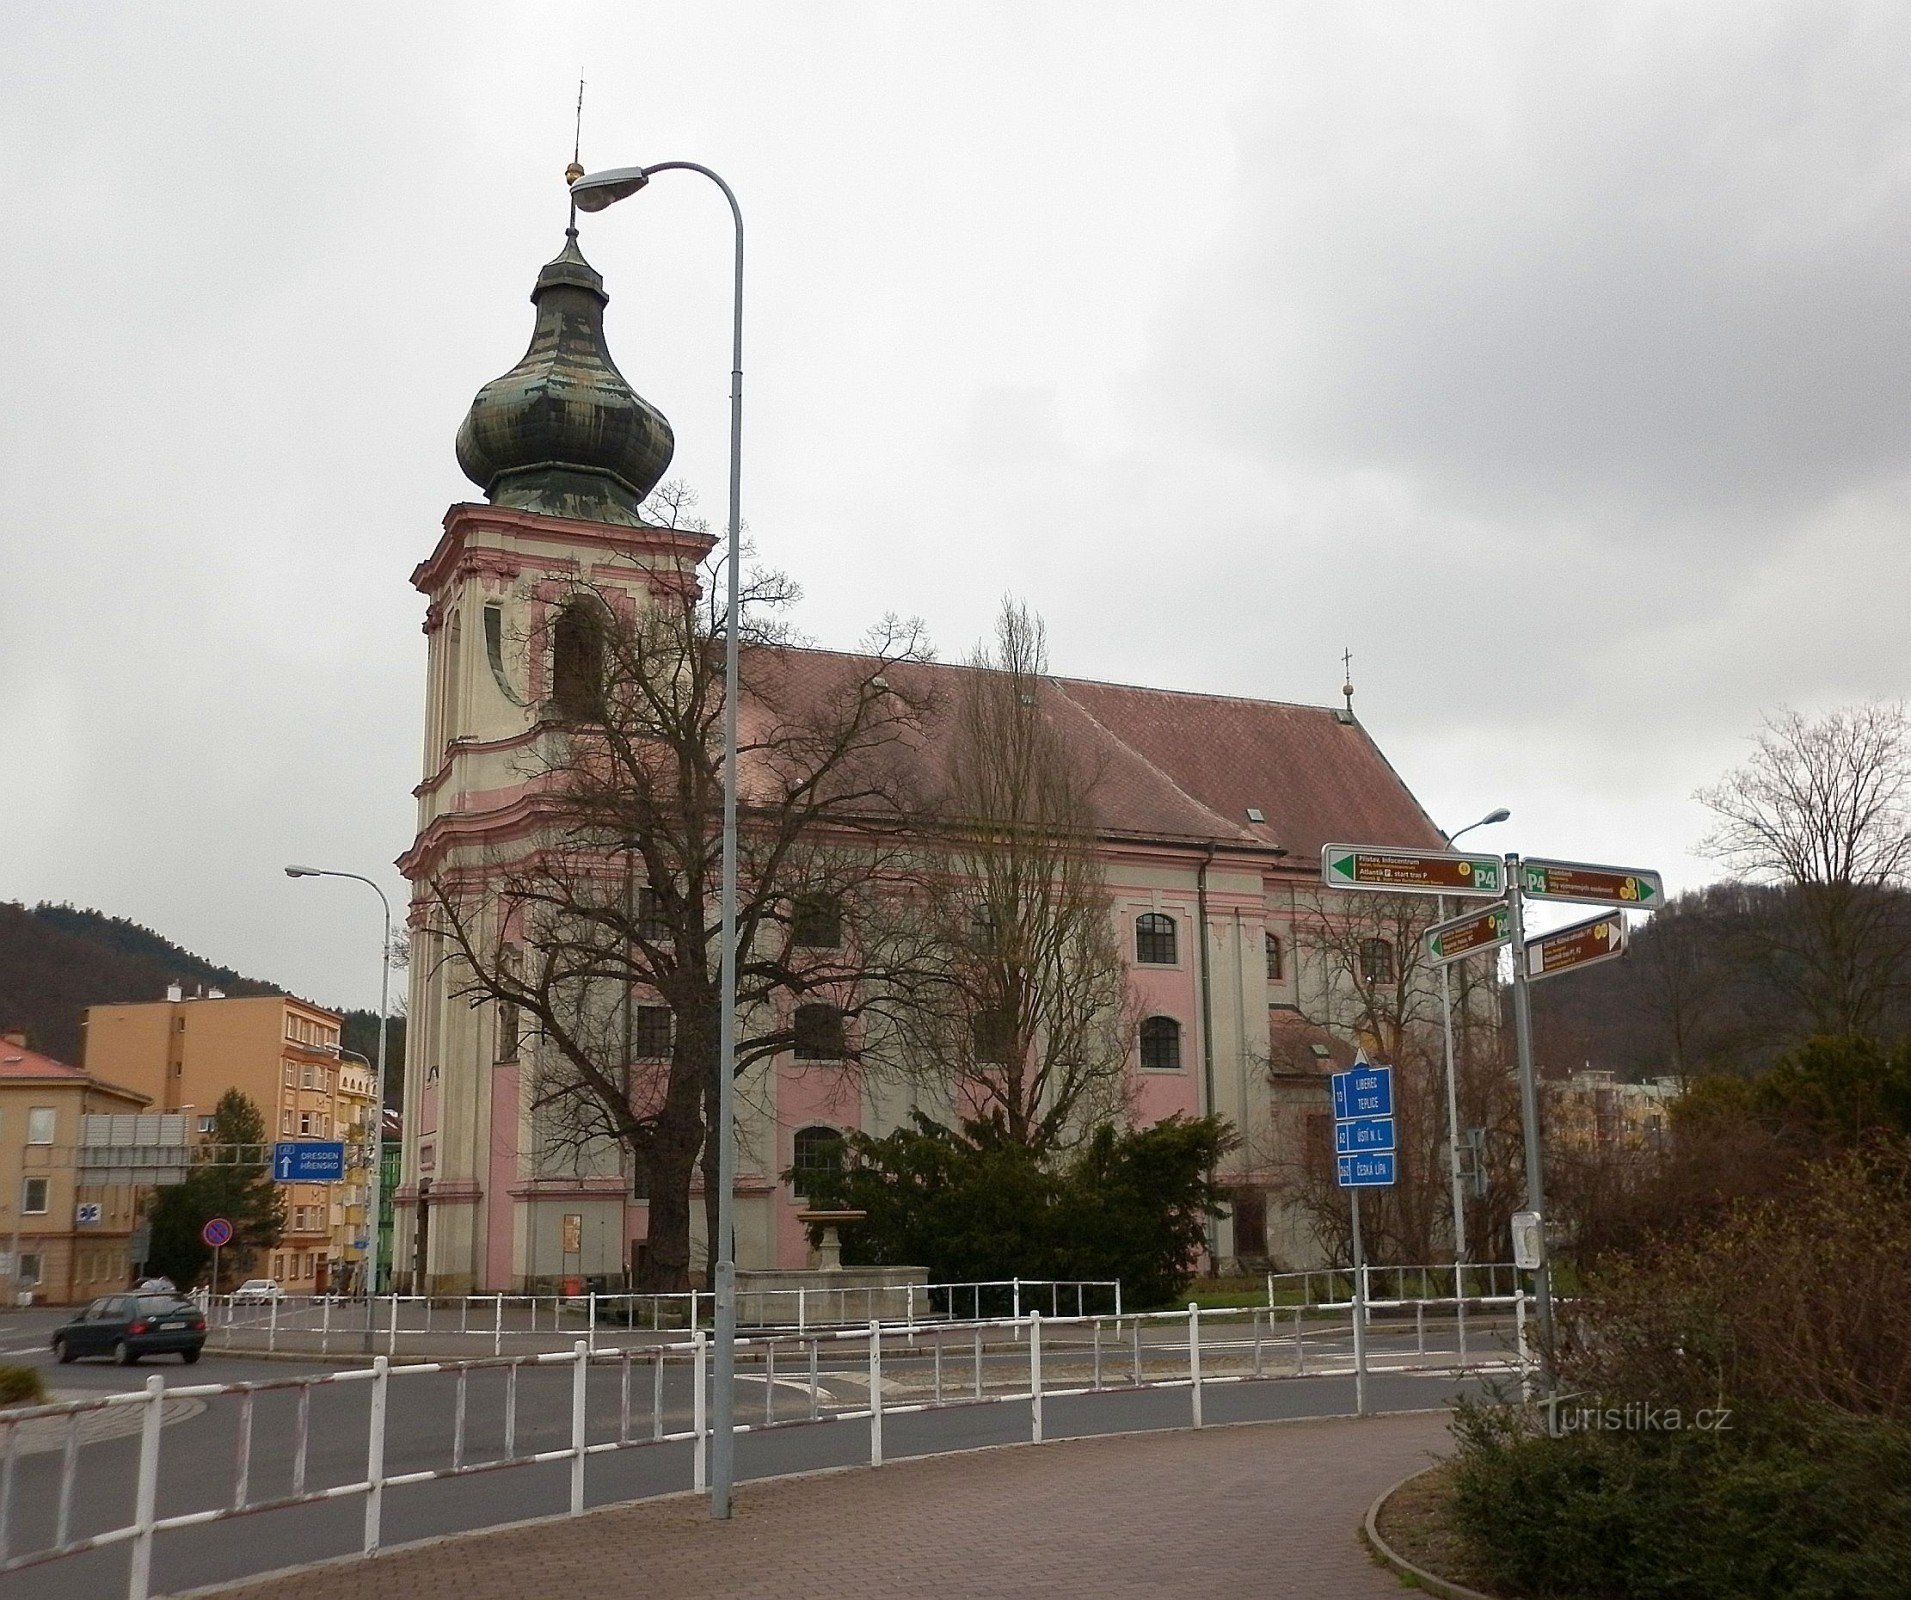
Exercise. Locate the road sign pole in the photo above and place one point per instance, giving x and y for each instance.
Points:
(1453, 1104)
(1529, 1112)
(1360, 1312)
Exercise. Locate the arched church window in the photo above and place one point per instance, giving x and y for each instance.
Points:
(1376, 961)
(1160, 1045)
(1154, 939)
(816, 922)
(817, 1150)
(1273, 957)
(577, 662)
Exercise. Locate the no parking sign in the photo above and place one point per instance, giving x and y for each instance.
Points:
(217, 1232)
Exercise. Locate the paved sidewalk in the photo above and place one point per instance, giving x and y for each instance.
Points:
(1263, 1509)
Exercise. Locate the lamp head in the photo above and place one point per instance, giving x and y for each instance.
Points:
(1497, 816)
(303, 872)
(594, 190)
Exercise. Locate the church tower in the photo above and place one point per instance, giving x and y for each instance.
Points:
(565, 451)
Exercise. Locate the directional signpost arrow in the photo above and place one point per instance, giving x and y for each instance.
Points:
(1591, 885)
(1352, 866)
(1596, 939)
(1485, 929)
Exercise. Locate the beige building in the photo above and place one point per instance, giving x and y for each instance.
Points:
(1594, 1110)
(63, 1240)
(282, 1054)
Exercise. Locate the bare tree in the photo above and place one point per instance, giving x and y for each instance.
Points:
(596, 932)
(1823, 807)
(1036, 1026)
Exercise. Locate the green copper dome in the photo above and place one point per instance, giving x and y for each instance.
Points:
(562, 432)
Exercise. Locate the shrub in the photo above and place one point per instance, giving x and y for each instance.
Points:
(973, 1204)
(21, 1386)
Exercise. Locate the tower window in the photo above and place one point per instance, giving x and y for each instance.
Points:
(994, 1035)
(1154, 939)
(653, 927)
(577, 662)
(816, 922)
(1160, 1045)
(1274, 957)
(819, 1033)
(1376, 961)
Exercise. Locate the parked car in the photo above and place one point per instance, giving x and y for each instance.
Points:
(257, 1291)
(128, 1326)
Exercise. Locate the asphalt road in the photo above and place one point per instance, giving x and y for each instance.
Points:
(199, 1451)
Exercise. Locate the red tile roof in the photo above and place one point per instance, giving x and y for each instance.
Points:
(17, 1061)
(1171, 765)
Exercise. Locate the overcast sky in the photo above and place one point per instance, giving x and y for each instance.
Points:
(1552, 357)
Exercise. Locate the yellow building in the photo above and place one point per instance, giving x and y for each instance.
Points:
(283, 1055)
(63, 1240)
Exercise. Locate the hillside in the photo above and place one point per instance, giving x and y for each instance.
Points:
(56, 960)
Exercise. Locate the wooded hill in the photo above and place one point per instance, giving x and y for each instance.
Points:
(56, 960)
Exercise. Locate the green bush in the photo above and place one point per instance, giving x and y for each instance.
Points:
(21, 1386)
(1816, 1507)
(974, 1204)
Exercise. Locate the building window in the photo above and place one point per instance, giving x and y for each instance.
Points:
(40, 1125)
(305, 1124)
(1154, 939)
(291, 1075)
(205, 1124)
(650, 1033)
(305, 1077)
(1273, 942)
(30, 1269)
(1250, 1222)
(819, 1033)
(1160, 1045)
(33, 1199)
(653, 927)
(816, 922)
(994, 1032)
(1376, 961)
(817, 1150)
(577, 662)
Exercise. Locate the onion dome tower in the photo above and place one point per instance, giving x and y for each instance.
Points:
(562, 433)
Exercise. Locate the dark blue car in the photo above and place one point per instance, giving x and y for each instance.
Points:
(128, 1326)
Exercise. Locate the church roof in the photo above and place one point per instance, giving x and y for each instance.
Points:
(1172, 765)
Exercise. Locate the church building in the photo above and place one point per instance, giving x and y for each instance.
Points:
(1211, 813)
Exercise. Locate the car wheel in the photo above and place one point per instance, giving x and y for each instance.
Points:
(125, 1354)
(189, 1356)
(63, 1351)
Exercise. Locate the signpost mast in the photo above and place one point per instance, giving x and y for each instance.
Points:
(1529, 1109)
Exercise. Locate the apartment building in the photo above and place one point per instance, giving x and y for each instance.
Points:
(63, 1240)
(284, 1055)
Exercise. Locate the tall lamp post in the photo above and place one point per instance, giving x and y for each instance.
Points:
(1453, 1093)
(378, 1109)
(593, 192)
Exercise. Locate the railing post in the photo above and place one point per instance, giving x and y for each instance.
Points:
(815, 1401)
(325, 1327)
(375, 1456)
(1118, 1297)
(875, 1394)
(700, 1454)
(1270, 1291)
(497, 1326)
(1300, 1346)
(1459, 1309)
(592, 1333)
(1035, 1376)
(802, 1310)
(1257, 1343)
(1420, 1327)
(272, 1327)
(580, 1379)
(1194, 1357)
(1525, 1351)
(1018, 1299)
(139, 1579)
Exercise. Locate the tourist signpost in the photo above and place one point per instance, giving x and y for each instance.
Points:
(1485, 929)
(1347, 866)
(1381, 870)
(1598, 938)
(1364, 1141)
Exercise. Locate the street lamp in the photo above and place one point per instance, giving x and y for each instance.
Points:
(593, 192)
(1500, 814)
(384, 1028)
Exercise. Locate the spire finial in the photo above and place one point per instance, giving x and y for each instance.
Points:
(1347, 683)
(576, 169)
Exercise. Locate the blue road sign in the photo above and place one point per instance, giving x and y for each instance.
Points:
(1369, 1093)
(1373, 1171)
(308, 1161)
(1338, 1083)
(1360, 1135)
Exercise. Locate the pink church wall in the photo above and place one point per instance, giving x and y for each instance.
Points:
(501, 1174)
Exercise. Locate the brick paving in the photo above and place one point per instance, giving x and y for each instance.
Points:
(1264, 1509)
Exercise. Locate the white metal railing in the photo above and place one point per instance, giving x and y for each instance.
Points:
(1443, 1280)
(317, 1324)
(1029, 1360)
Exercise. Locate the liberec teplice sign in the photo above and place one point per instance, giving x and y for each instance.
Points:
(1364, 1131)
